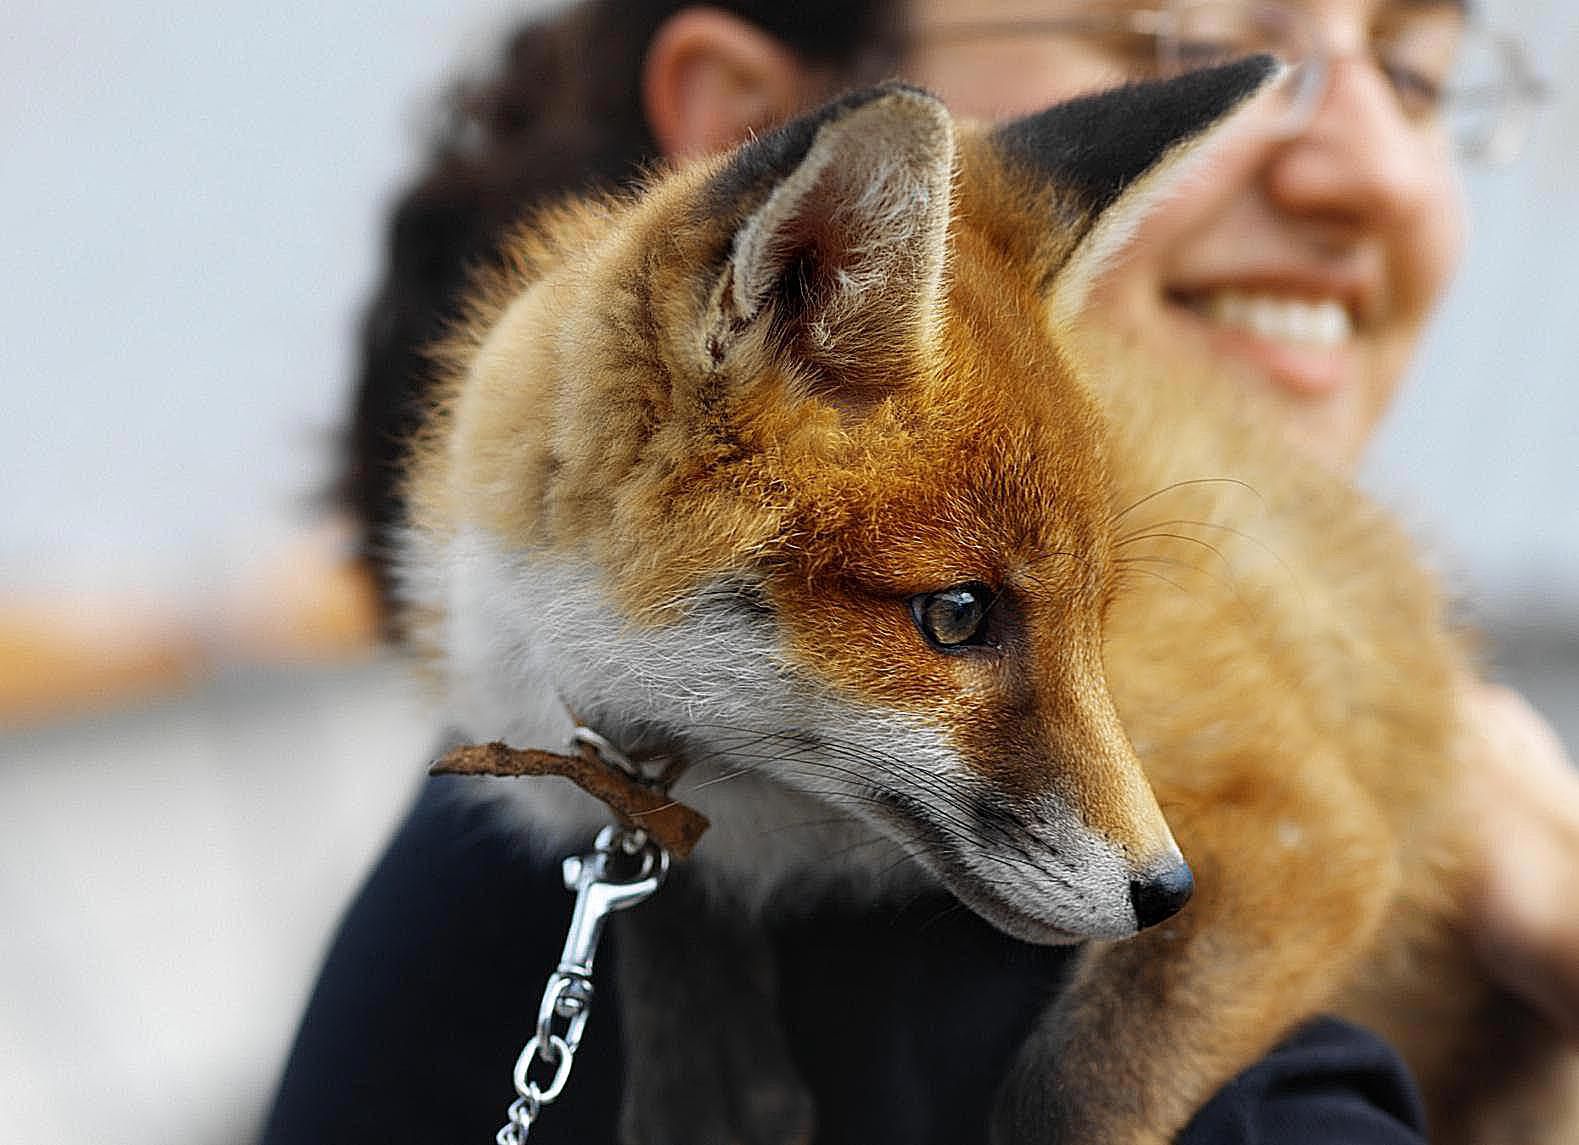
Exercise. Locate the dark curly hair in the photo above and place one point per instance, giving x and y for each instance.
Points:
(562, 112)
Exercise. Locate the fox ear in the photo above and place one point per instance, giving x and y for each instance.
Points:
(845, 253)
(1110, 158)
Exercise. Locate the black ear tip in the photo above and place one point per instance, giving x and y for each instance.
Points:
(893, 87)
(1096, 145)
(768, 158)
(1197, 99)
(1205, 94)
(897, 93)
(1266, 64)
(1240, 78)
(858, 98)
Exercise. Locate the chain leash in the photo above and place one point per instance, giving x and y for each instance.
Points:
(625, 867)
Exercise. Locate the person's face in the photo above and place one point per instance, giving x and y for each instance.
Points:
(1308, 265)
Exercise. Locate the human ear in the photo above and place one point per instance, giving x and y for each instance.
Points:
(709, 79)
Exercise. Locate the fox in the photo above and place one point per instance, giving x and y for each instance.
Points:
(799, 464)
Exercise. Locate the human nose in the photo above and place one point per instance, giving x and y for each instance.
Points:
(1357, 160)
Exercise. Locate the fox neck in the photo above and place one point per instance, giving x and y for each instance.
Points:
(739, 727)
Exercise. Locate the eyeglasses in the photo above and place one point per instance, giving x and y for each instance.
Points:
(1478, 84)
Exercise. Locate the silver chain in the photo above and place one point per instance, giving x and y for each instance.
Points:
(625, 868)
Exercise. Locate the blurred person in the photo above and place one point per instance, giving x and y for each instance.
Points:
(1307, 267)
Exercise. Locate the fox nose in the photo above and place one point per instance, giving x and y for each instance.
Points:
(1162, 895)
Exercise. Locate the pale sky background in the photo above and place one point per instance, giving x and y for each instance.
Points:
(192, 197)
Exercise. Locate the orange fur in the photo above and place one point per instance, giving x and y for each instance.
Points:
(1178, 595)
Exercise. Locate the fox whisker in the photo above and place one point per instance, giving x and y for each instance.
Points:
(1133, 505)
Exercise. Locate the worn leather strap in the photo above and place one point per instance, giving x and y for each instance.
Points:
(675, 827)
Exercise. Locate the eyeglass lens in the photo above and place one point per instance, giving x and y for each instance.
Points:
(1435, 67)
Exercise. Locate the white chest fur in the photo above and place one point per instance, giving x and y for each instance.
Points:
(777, 765)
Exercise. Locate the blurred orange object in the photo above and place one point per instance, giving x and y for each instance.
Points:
(63, 655)
(71, 654)
(306, 603)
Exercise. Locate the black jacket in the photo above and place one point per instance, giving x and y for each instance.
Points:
(901, 1022)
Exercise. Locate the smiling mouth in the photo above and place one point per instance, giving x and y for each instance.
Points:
(1302, 343)
(1320, 323)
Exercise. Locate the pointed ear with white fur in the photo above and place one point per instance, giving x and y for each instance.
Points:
(1111, 158)
(845, 255)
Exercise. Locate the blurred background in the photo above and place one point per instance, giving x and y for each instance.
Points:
(200, 750)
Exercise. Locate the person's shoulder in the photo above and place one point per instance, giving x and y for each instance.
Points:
(1330, 1081)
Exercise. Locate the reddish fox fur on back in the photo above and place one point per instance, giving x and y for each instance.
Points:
(702, 451)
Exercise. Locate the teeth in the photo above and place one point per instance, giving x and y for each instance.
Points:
(1324, 323)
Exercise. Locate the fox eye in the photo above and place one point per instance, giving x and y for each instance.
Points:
(953, 618)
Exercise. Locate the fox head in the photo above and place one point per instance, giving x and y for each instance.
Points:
(779, 464)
